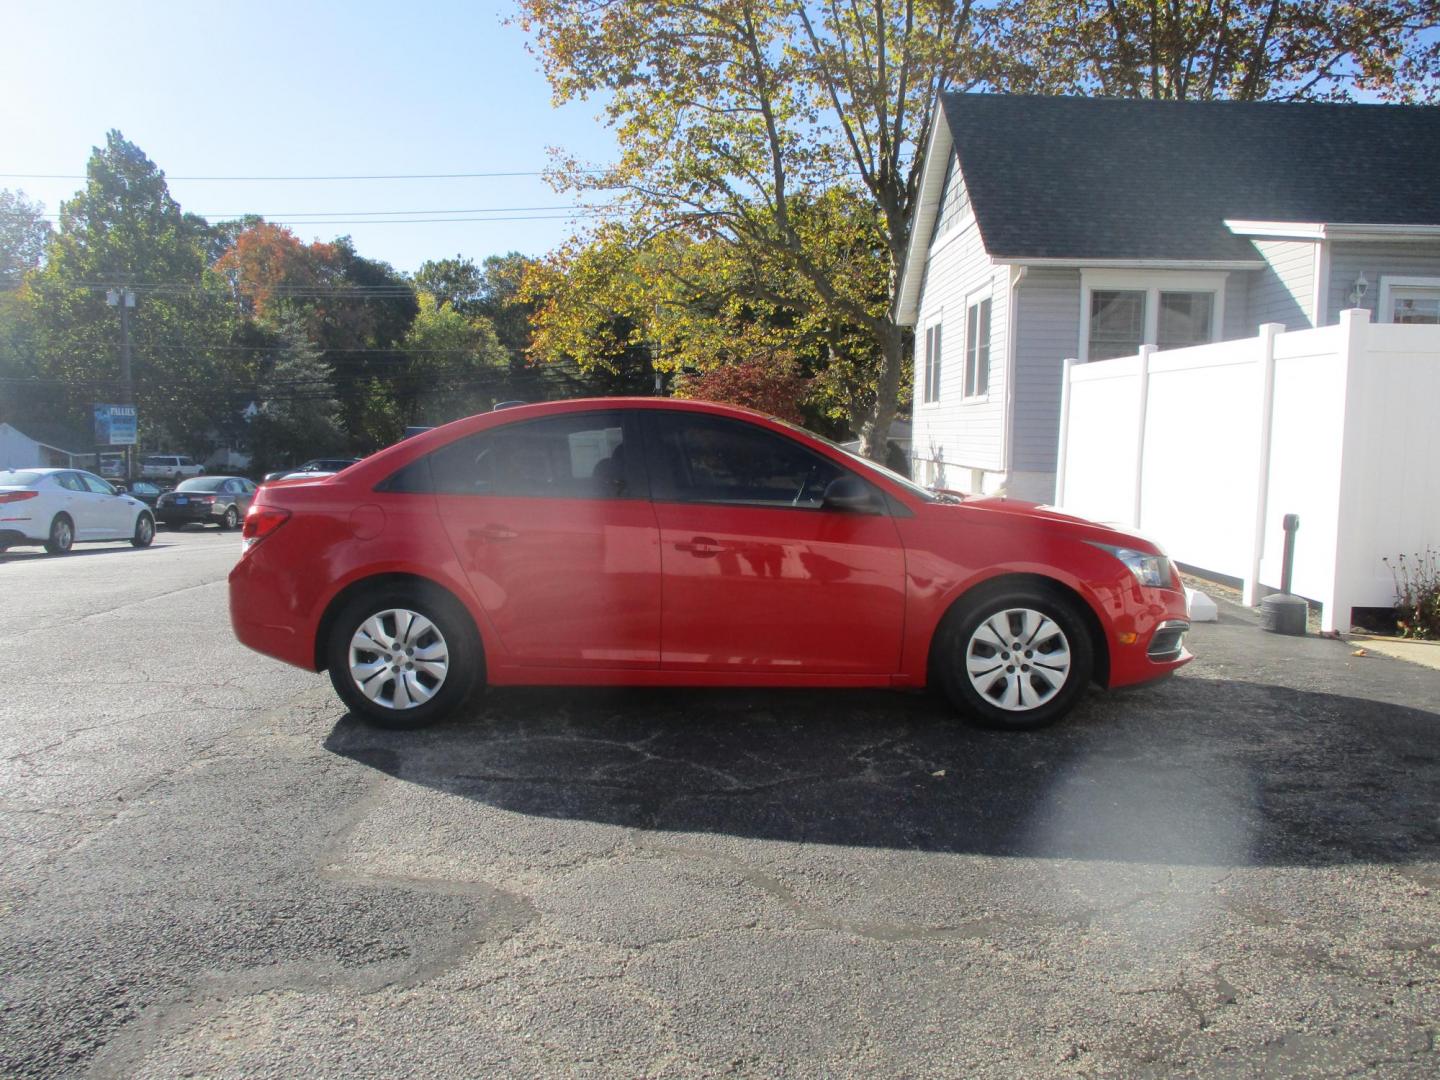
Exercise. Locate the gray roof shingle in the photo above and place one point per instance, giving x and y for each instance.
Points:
(1093, 178)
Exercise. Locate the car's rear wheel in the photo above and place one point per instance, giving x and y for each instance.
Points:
(230, 520)
(1015, 659)
(62, 535)
(144, 531)
(401, 658)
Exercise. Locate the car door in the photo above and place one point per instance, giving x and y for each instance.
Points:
(113, 515)
(83, 506)
(757, 573)
(552, 523)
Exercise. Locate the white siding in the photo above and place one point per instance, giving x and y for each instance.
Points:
(1048, 331)
(1348, 259)
(964, 435)
(1283, 292)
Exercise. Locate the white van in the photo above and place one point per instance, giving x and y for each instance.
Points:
(170, 467)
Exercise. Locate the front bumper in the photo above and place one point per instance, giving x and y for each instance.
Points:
(1148, 641)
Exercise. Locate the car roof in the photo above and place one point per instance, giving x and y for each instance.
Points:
(37, 468)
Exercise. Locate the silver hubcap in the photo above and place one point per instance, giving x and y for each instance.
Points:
(145, 529)
(1018, 659)
(398, 658)
(62, 534)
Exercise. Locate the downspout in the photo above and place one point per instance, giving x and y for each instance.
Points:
(1017, 275)
(1320, 294)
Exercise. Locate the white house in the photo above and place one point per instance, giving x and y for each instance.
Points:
(42, 445)
(1050, 228)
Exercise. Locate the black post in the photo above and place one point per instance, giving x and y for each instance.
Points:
(1291, 524)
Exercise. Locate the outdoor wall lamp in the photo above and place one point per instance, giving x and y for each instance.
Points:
(1357, 294)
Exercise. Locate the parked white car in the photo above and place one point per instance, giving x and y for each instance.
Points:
(58, 507)
(170, 467)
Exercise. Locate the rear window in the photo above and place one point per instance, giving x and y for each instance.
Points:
(20, 478)
(203, 483)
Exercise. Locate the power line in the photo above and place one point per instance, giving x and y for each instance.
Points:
(276, 214)
(291, 179)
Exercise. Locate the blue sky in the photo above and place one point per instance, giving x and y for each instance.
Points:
(304, 88)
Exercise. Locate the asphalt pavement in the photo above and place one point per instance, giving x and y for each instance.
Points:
(208, 869)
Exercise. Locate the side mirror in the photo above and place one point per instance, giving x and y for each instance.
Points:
(851, 495)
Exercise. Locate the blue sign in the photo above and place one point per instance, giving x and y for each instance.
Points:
(115, 425)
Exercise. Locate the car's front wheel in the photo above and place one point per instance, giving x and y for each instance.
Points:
(401, 659)
(1015, 659)
(62, 535)
(144, 531)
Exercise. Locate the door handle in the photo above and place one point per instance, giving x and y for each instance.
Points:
(700, 546)
(492, 533)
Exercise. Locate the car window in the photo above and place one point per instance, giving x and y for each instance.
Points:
(95, 484)
(712, 459)
(69, 481)
(20, 477)
(574, 456)
(200, 483)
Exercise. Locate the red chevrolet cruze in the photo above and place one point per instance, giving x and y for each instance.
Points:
(665, 543)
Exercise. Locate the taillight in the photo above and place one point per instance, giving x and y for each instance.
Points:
(260, 522)
(17, 496)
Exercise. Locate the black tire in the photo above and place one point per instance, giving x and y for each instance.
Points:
(997, 697)
(231, 519)
(62, 535)
(144, 531)
(464, 663)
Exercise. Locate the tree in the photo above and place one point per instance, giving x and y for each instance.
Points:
(296, 411)
(456, 365)
(23, 235)
(1290, 50)
(456, 282)
(771, 385)
(731, 114)
(124, 229)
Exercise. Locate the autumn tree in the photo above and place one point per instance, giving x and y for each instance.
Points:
(731, 114)
(1287, 50)
(771, 384)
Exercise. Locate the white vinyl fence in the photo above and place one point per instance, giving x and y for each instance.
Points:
(1205, 449)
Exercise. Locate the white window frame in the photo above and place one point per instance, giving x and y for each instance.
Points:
(1388, 282)
(922, 368)
(976, 297)
(1152, 283)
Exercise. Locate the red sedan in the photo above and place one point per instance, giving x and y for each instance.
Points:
(655, 542)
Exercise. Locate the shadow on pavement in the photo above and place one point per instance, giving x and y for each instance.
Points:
(1192, 771)
(82, 548)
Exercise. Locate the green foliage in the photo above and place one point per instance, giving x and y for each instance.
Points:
(456, 364)
(296, 411)
(1417, 595)
(23, 235)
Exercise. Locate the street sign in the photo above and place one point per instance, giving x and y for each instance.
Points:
(115, 425)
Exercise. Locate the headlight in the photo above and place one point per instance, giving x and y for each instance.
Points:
(1152, 570)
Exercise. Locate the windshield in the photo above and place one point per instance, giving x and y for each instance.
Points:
(20, 478)
(203, 483)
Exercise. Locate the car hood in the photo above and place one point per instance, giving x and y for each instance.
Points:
(1044, 516)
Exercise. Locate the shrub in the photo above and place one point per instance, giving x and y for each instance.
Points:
(1417, 594)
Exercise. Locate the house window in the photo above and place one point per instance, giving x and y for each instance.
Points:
(1185, 319)
(1410, 300)
(1125, 309)
(931, 391)
(1117, 323)
(977, 348)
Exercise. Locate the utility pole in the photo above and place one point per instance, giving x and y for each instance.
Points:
(124, 299)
